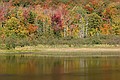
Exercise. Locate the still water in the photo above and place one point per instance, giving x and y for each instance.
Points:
(59, 68)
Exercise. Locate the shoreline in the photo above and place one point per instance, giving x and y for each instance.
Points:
(62, 51)
(66, 48)
(63, 48)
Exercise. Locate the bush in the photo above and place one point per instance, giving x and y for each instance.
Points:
(10, 42)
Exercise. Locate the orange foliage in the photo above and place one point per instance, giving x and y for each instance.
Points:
(63, 8)
(106, 29)
(94, 2)
(32, 28)
(108, 12)
(88, 8)
(47, 4)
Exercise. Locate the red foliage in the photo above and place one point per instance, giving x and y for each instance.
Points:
(25, 13)
(2, 13)
(106, 19)
(57, 21)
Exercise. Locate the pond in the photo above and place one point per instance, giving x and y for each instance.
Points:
(23, 67)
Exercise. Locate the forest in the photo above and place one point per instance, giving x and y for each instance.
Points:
(54, 22)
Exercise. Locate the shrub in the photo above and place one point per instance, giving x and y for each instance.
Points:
(10, 42)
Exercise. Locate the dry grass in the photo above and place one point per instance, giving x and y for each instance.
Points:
(85, 48)
(64, 48)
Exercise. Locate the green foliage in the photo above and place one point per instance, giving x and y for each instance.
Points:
(94, 20)
(12, 23)
(32, 17)
(110, 39)
(10, 42)
(14, 27)
(11, 26)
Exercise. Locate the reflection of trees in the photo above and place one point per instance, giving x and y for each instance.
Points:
(57, 70)
(58, 66)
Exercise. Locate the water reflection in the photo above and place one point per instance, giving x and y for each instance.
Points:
(52, 68)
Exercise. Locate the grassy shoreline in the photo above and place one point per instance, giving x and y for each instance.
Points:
(63, 48)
